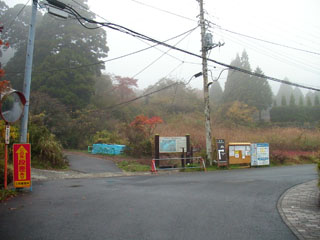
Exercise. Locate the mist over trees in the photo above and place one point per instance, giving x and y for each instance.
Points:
(250, 93)
(80, 103)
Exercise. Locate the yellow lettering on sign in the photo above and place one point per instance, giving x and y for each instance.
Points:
(22, 183)
(22, 153)
(22, 164)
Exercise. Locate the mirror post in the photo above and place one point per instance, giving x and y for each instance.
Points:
(28, 71)
(7, 140)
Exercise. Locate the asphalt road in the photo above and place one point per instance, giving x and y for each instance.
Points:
(236, 204)
(85, 164)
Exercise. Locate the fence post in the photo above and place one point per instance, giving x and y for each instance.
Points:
(156, 149)
(182, 158)
(188, 150)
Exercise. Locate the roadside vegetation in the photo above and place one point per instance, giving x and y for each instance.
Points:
(76, 107)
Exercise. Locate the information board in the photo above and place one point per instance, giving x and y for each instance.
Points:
(21, 165)
(260, 154)
(172, 144)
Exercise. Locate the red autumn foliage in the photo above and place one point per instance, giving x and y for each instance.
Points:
(2, 72)
(4, 85)
(145, 124)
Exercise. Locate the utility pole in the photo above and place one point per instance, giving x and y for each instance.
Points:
(27, 74)
(205, 84)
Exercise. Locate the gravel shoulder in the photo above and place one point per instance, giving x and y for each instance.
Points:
(44, 175)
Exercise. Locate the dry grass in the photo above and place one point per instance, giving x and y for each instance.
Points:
(284, 139)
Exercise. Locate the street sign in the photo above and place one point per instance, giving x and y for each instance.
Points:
(22, 165)
(7, 135)
(221, 151)
(260, 154)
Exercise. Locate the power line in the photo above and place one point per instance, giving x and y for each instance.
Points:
(153, 92)
(142, 96)
(274, 55)
(17, 16)
(266, 41)
(158, 58)
(133, 33)
(163, 10)
(84, 7)
(105, 61)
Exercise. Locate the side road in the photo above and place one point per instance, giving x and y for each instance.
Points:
(300, 210)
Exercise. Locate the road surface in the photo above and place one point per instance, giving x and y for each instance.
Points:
(85, 164)
(230, 204)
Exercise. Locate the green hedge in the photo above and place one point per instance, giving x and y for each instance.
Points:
(295, 114)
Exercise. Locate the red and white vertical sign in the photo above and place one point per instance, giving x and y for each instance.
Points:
(21, 165)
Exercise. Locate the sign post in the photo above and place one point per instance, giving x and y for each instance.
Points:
(6, 143)
(221, 151)
(22, 165)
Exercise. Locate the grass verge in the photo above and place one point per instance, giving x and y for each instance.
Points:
(131, 166)
(6, 194)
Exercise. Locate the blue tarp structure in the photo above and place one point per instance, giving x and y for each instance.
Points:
(111, 149)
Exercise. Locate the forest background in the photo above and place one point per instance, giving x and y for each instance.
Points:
(74, 103)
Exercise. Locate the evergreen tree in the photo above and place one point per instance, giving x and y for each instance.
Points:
(292, 101)
(251, 90)
(62, 45)
(275, 103)
(310, 95)
(215, 93)
(233, 81)
(309, 103)
(284, 90)
(297, 93)
(283, 101)
(316, 100)
(259, 93)
(301, 101)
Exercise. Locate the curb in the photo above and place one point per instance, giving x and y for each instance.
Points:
(284, 217)
(299, 210)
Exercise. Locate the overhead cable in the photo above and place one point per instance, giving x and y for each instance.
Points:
(108, 60)
(133, 33)
(18, 14)
(266, 41)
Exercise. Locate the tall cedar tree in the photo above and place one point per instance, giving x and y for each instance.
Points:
(250, 90)
(284, 91)
(61, 44)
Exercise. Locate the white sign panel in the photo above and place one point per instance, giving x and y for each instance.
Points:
(260, 154)
(172, 144)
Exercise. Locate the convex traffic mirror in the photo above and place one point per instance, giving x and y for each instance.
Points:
(11, 105)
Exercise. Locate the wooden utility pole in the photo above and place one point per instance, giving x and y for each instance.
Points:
(205, 84)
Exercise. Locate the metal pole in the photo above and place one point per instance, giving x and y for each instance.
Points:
(205, 85)
(28, 71)
(6, 166)
(6, 142)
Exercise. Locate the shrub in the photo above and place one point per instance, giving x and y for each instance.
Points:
(278, 158)
(139, 133)
(46, 150)
(319, 175)
(10, 174)
(107, 137)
